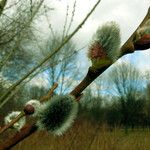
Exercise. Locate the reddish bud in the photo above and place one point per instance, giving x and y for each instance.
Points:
(143, 43)
(96, 51)
(29, 109)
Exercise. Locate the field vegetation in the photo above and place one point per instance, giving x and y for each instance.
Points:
(87, 135)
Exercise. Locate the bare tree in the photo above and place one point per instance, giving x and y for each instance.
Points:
(17, 31)
(127, 86)
(5, 95)
(147, 99)
(61, 66)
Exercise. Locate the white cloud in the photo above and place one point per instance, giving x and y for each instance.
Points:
(40, 81)
(128, 14)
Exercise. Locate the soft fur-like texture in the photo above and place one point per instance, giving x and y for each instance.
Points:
(19, 124)
(58, 114)
(108, 37)
(143, 30)
(35, 103)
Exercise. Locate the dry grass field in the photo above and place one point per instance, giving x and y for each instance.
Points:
(88, 136)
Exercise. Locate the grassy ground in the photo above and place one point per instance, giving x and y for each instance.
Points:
(87, 136)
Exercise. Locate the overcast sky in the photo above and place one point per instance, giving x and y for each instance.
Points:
(128, 14)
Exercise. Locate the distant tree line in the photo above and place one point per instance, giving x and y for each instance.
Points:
(129, 103)
(124, 103)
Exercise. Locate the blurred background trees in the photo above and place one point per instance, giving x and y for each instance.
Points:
(126, 105)
(22, 46)
(121, 100)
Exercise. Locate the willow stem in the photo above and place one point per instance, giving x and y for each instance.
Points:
(22, 114)
(90, 77)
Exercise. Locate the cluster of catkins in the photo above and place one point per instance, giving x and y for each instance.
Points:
(58, 114)
(32, 106)
(105, 45)
(55, 115)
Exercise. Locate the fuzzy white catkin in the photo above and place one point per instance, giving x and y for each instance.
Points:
(108, 36)
(19, 124)
(35, 103)
(58, 114)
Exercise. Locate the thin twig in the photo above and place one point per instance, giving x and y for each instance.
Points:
(72, 17)
(91, 76)
(32, 128)
(22, 114)
(65, 24)
(50, 93)
(128, 47)
(49, 24)
(4, 96)
(5, 59)
(2, 6)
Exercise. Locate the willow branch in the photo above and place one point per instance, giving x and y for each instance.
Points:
(77, 92)
(5, 60)
(50, 93)
(22, 114)
(12, 122)
(24, 133)
(4, 96)
(30, 129)
(128, 47)
(2, 6)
